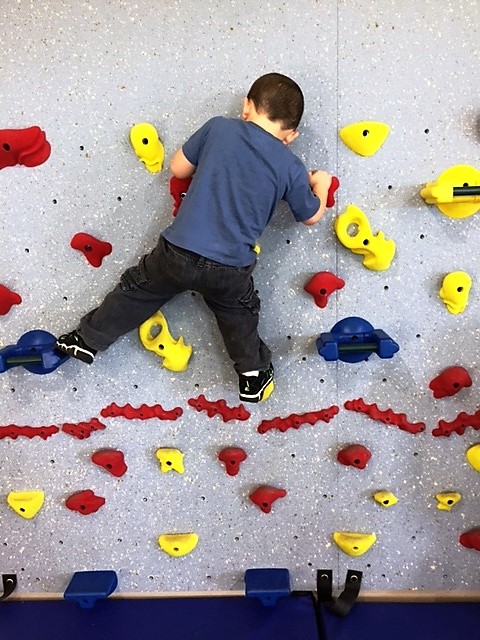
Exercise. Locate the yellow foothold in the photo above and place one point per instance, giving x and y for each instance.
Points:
(171, 460)
(148, 146)
(454, 291)
(178, 544)
(385, 499)
(354, 232)
(365, 138)
(447, 500)
(354, 544)
(175, 353)
(450, 192)
(257, 249)
(473, 457)
(26, 503)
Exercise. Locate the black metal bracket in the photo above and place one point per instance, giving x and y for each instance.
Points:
(345, 601)
(9, 581)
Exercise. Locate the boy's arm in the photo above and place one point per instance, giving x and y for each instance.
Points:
(180, 166)
(320, 183)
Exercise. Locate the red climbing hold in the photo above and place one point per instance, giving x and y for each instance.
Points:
(461, 422)
(111, 460)
(82, 430)
(355, 455)
(387, 417)
(85, 502)
(12, 431)
(321, 285)
(331, 191)
(7, 299)
(143, 412)
(94, 250)
(295, 420)
(265, 496)
(450, 381)
(471, 539)
(28, 147)
(220, 408)
(178, 189)
(231, 458)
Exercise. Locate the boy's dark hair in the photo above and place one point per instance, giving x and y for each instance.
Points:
(279, 98)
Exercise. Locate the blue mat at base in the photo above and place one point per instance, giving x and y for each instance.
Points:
(215, 618)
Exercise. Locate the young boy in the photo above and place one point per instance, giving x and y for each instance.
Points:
(241, 169)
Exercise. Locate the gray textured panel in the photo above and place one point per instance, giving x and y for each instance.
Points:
(85, 72)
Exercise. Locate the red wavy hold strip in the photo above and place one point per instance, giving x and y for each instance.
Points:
(387, 417)
(295, 420)
(143, 412)
(82, 430)
(12, 431)
(219, 408)
(461, 422)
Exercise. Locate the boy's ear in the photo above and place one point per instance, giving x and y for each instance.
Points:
(290, 137)
(246, 108)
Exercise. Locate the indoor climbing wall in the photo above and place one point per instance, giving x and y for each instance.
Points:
(108, 466)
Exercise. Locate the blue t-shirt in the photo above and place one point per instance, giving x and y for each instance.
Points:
(242, 173)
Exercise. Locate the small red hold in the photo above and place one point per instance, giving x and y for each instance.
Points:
(111, 460)
(355, 455)
(28, 147)
(94, 250)
(331, 192)
(322, 285)
(178, 189)
(231, 458)
(7, 299)
(83, 430)
(265, 496)
(450, 381)
(85, 502)
(471, 539)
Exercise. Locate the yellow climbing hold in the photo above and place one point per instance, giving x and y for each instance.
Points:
(148, 146)
(473, 457)
(454, 291)
(178, 544)
(385, 498)
(447, 500)
(155, 336)
(455, 192)
(170, 460)
(365, 138)
(354, 232)
(354, 544)
(26, 503)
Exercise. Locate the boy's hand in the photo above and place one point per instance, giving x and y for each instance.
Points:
(320, 182)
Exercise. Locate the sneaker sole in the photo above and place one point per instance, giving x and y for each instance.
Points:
(75, 352)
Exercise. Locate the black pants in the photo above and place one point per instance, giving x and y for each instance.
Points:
(167, 270)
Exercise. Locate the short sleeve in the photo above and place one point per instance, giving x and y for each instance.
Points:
(300, 198)
(193, 146)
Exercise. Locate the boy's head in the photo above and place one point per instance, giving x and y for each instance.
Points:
(279, 98)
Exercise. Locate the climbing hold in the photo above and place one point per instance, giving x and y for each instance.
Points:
(178, 544)
(219, 408)
(364, 138)
(148, 146)
(231, 458)
(388, 416)
(335, 183)
(454, 291)
(354, 232)
(458, 425)
(26, 503)
(450, 381)
(322, 285)
(143, 412)
(447, 500)
(296, 420)
(178, 191)
(354, 339)
(28, 147)
(473, 457)
(94, 250)
(85, 502)
(13, 431)
(7, 299)
(355, 455)
(155, 336)
(171, 460)
(385, 499)
(35, 351)
(471, 539)
(111, 460)
(456, 192)
(82, 430)
(86, 587)
(354, 544)
(265, 496)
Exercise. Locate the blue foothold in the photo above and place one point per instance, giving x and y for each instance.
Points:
(86, 587)
(267, 585)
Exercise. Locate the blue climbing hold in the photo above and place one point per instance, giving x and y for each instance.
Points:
(267, 585)
(35, 351)
(354, 339)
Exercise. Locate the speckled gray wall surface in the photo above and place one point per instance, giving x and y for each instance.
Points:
(86, 72)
